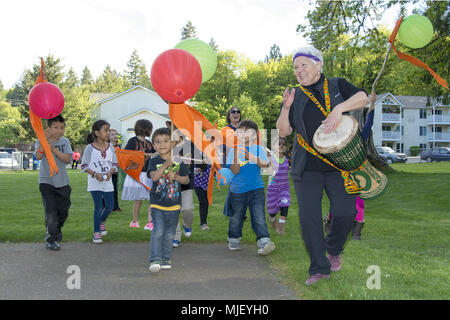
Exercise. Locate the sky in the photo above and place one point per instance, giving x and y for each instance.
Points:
(96, 33)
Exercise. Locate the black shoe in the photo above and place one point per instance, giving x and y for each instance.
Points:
(356, 232)
(52, 246)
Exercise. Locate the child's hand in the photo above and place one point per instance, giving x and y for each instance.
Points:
(99, 177)
(171, 175)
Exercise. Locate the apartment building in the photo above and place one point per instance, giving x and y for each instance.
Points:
(401, 122)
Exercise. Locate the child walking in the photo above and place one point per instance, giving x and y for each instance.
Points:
(114, 140)
(247, 189)
(55, 190)
(100, 162)
(133, 190)
(201, 177)
(166, 200)
(278, 197)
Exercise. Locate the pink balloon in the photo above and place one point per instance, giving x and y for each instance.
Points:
(46, 100)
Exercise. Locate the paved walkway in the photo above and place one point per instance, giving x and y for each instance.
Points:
(120, 271)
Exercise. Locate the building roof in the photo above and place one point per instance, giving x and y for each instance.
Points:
(413, 102)
(164, 116)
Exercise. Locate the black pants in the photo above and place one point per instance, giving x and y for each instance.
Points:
(342, 206)
(115, 177)
(202, 196)
(56, 205)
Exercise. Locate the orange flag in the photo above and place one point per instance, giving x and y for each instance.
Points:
(131, 161)
(36, 123)
(187, 119)
(412, 59)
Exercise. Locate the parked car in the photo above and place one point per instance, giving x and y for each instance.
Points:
(436, 154)
(7, 160)
(9, 150)
(390, 156)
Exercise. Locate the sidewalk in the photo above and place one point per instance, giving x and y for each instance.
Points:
(120, 271)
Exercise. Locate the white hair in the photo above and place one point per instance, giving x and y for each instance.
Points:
(309, 52)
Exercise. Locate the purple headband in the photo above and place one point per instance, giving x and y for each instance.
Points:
(298, 54)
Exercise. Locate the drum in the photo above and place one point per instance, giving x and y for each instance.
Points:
(373, 182)
(344, 146)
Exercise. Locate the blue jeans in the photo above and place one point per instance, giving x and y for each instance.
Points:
(255, 201)
(101, 213)
(164, 228)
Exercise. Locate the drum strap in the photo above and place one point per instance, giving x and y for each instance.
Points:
(317, 103)
(350, 186)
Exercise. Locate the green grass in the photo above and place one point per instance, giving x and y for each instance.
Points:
(406, 233)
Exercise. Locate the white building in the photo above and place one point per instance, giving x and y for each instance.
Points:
(401, 122)
(123, 109)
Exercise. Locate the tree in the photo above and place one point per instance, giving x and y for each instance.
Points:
(136, 74)
(188, 31)
(86, 77)
(71, 79)
(110, 81)
(275, 53)
(212, 43)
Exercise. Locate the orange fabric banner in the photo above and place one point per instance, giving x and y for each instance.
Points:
(36, 123)
(131, 162)
(186, 119)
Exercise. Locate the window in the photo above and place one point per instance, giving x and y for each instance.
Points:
(403, 130)
(438, 129)
(423, 146)
(422, 131)
(386, 128)
(423, 114)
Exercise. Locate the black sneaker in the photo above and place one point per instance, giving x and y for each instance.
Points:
(52, 246)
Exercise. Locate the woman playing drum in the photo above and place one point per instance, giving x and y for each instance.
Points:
(318, 100)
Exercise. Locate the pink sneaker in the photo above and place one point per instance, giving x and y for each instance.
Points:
(134, 224)
(103, 229)
(149, 226)
(316, 277)
(336, 262)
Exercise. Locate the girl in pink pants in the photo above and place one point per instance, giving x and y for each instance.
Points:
(357, 224)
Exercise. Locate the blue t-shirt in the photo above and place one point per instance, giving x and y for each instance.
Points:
(249, 177)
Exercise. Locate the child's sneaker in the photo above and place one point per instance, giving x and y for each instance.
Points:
(149, 226)
(204, 227)
(187, 232)
(154, 266)
(97, 238)
(103, 229)
(134, 224)
(234, 246)
(176, 243)
(166, 265)
(268, 248)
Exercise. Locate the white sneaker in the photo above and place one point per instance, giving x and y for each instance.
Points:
(97, 238)
(154, 267)
(268, 248)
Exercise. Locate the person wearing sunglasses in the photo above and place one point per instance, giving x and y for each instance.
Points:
(229, 132)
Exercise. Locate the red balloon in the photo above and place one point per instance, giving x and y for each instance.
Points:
(176, 75)
(46, 100)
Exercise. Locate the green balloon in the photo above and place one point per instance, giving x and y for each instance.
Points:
(415, 31)
(206, 56)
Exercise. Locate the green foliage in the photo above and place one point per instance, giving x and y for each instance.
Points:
(414, 150)
(136, 74)
(188, 31)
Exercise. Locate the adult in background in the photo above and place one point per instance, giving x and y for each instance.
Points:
(229, 132)
(303, 110)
